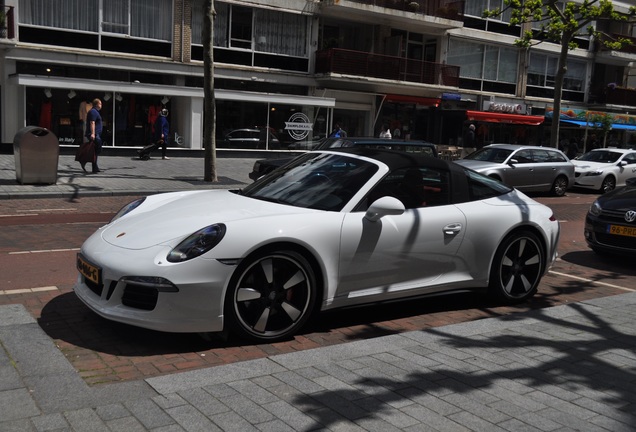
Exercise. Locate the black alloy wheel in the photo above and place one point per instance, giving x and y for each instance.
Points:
(272, 296)
(517, 268)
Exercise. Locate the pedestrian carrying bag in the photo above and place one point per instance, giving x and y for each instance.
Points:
(86, 153)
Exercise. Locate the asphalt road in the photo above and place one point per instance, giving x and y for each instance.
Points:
(40, 237)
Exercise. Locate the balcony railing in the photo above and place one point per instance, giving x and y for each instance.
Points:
(621, 96)
(631, 49)
(7, 23)
(449, 9)
(358, 63)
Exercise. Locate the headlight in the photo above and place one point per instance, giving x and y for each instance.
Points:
(594, 173)
(596, 209)
(128, 208)
(197, 244)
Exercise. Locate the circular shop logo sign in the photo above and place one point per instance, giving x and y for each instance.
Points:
(298, 126)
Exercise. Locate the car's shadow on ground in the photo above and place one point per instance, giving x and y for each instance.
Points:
(66, 319)
(621, 265)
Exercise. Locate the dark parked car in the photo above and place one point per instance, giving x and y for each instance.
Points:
(527, 168)
(251, 139)
(610, 224)
(265, 166)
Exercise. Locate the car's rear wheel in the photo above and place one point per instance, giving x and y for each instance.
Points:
(559, 186)
(517, 268)
(271, 296)
(609, 184)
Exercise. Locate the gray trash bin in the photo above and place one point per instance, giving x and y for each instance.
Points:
(36, 151)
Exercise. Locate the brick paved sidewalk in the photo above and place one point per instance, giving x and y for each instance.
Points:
(565, 368)
(126, 175)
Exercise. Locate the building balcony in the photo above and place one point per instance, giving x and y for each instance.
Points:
(7, 22)
(440, 14)
(628, 52)
(364, 64)
(620, 96)
(611, 94)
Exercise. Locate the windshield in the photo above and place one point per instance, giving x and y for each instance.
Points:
(604, 156)
(314, 180)
(490, 154)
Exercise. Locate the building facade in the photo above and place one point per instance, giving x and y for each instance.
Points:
(289, 70)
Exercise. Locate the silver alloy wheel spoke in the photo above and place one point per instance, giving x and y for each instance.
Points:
(532, 260)
(293, 312)
(261, 324)
(295, 280)
(268, 269)
(247, 294)
(522, 246)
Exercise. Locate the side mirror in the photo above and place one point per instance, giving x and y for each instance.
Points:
(384, 206)
(622, 163)
(512, 162)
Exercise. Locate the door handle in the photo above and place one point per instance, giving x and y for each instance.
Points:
(452, 229)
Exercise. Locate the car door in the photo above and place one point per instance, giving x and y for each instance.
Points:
(521, 174)
(398, 254)
(543, 170)
(403, 254)
(626, 171)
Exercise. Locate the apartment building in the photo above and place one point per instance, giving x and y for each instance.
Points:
(294, 69)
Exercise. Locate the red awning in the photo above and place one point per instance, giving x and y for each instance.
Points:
(418, 100)
(495, 117)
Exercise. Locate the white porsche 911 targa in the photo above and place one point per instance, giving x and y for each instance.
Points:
(332, 228)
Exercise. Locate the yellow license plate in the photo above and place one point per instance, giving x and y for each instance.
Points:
(621, 230)
(89, 270)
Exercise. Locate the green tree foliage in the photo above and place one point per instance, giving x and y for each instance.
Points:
(601, 124)
(561, 24)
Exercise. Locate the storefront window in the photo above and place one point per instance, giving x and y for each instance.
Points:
(127, 118)
(253, 125)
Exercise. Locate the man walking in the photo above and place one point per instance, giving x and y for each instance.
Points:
(94, 130)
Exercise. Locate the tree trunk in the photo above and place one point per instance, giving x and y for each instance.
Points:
(209, 103)
(562, 68)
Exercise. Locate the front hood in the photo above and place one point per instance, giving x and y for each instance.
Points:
(623, 198)
(166, 218)
(583, 166)
(476, 165)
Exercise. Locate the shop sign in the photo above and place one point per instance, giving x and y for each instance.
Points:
(509, 108)
(298, 126)
(451, 96)
(584, 115)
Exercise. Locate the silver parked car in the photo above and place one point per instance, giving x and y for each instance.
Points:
(527, 168)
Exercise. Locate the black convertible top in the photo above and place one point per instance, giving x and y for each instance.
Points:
(398, 159)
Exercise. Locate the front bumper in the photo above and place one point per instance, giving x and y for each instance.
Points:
(195, 305)
(598, 238)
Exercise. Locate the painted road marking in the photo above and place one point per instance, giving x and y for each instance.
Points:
(592, 281)
(44, 250)
(28, 290)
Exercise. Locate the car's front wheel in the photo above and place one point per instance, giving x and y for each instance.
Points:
(609, 184)
(517, 267)
(271, 296)
(559, 186)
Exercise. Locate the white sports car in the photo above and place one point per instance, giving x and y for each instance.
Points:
(604, 169)
(332, 228)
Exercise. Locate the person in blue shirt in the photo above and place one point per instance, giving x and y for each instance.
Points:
(162, 132)
(337, 132)
(94, 131)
